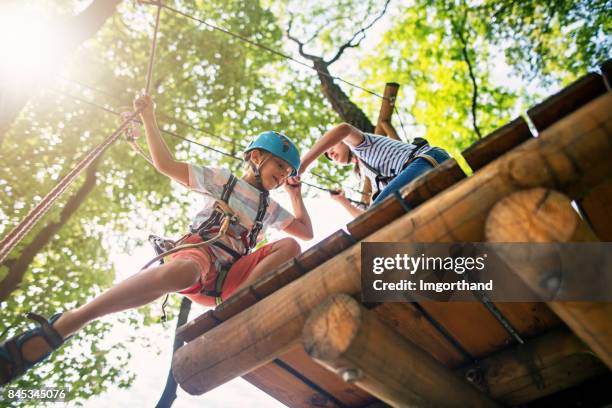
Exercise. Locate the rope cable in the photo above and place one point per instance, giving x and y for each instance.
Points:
(264, 47)
(10, 240)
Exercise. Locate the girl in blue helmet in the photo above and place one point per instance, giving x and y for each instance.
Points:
(206, 273)
(388, 163)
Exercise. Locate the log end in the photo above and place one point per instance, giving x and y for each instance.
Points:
(331, 327)
(534, 215)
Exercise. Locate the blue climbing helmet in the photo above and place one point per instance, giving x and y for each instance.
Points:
(279, 145)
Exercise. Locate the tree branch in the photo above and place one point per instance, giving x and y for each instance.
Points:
(350, 44)
(299, 43)
(466, 57)
(17, 267)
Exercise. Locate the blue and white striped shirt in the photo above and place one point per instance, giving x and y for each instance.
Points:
(384, 154)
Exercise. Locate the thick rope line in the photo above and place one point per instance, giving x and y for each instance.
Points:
(9, 241)
(264, 47)
(152, 52)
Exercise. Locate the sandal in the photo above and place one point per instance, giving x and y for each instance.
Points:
(12, 363)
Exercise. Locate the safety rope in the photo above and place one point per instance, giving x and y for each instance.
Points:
(9, 241)
(227, 219)
(152, 52)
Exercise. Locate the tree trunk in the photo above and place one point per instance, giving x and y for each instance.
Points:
(17, 267)
(340, 102)
(169, 393)
(81, 27)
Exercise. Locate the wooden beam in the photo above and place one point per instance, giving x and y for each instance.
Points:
(349, 340)
(541, 215)
(573, 155)
(567, 101)
(497, 143)
(550, 363)
(383, 124)
(276, 381)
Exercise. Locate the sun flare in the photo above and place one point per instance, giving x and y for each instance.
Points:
(29, 45)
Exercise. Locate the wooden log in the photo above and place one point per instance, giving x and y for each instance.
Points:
(541, 215)
(383, 124)
(555, 361)
(597, 208)
(566, 101)
(564, 156)
(376, 218)
(497, 143)
(349, 340)
(416, 192)
(267, 284)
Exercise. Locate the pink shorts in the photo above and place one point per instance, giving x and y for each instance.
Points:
(237, 274)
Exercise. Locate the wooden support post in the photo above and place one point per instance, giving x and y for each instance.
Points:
(540, 215)
(383, 128)
(550, 363)
(347, 339)
(573, 155)
(383, 124)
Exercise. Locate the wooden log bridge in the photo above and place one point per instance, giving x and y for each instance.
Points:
(571, 156)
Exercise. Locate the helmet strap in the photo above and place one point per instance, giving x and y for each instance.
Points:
(255, 168)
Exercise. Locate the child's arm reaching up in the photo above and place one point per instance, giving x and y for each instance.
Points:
(301, 226)
(162, 158)
(342, 132)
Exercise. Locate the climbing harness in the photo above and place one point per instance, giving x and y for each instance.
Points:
(382, 180)
(223, 221)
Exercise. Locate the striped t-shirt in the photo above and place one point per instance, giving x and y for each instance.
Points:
(384, 154)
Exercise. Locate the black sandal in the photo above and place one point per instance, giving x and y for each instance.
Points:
(12, 363)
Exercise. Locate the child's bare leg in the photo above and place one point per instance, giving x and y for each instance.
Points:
(137, 290)
(282, 251)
